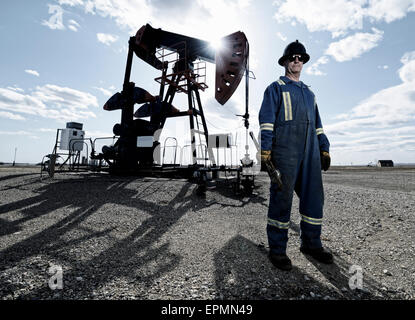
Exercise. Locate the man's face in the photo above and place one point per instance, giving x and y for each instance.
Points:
(295, 66)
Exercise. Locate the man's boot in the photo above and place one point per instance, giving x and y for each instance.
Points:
(320, 254)
(281, 261)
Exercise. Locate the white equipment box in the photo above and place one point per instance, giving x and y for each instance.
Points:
(70, 139)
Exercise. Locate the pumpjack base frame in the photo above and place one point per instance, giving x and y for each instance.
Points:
(205, 177)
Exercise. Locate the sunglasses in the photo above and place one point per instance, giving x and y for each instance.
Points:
(299, 56)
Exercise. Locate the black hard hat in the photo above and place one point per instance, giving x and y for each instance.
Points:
(294, 48)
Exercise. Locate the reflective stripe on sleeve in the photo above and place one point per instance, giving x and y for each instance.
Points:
(287, 106)
(312, 221)
(319, 131)
(267, 126)
(278, 224)
(281, 82)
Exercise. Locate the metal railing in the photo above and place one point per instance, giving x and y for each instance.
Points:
(175, 150)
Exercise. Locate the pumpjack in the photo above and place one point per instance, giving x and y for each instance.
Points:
(182, 62)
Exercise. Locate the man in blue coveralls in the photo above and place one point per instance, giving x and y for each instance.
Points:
(292, 137)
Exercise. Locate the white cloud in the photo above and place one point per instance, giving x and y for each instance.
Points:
(105, 92)
(15, 89)
(385, 121)
(9, 115)
(11, 100)
(354, 46)
(407, 71)
(219, 17)
(106, 38)
(49, 101)
(12, 133)
(389, 10)
(65, 97)
(335, 16)
(73, 25)
(97, 133)
(392, 143)
(32, 72)
(314, 68)
(384, 67)
(71, 2)
(281, 36)
(388, 107)
(47, 130)
(341, 16)
(127, 14)
(19, 133)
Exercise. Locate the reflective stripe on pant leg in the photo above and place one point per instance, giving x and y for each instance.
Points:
(278, 224)
(311, 231)
(278, 219)
(313, 221)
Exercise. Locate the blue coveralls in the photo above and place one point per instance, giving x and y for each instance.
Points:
(291, 128)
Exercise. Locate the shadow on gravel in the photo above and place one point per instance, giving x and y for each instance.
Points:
(7, 227)
(134, 258)
(243, 271)
(340, 272)
(13, 176)
(30, 181)
(226, 190)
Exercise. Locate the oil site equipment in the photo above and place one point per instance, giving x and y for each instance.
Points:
(182, 62)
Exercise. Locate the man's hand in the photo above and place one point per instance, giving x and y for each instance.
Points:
(325, 160)
(265, 155)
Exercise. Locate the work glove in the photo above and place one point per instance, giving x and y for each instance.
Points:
(325, 160)
(268, 166)
(265, 155)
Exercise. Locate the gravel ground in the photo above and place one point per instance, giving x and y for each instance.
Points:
(146, 238)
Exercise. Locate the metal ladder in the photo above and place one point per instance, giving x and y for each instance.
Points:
(205, 154)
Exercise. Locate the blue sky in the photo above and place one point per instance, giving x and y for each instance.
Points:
(62, 59)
